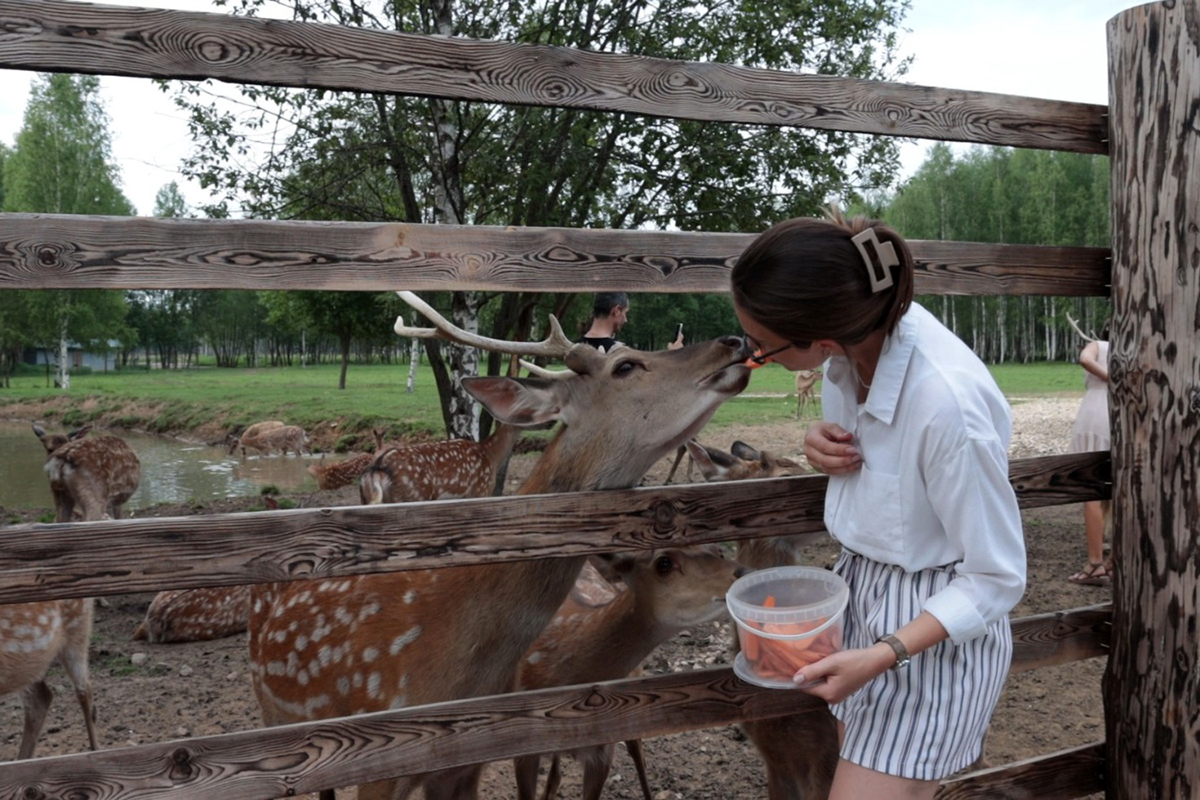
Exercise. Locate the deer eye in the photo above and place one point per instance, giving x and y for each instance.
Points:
(624, 368)
(663, 565)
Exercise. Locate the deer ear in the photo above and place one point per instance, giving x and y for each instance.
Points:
(79, 433)
(713, 463)
(522, 402)
(745, 451)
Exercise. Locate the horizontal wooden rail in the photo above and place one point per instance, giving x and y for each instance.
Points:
(1060, 637)
(300, 758)
(135, 555)
(1077, 772)
(61, 252)
(55, 36)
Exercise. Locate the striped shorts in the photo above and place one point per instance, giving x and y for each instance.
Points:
(927, 720)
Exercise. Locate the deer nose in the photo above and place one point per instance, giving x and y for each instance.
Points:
(741, 348)
(740, 571)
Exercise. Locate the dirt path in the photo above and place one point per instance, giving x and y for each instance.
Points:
(147, 693)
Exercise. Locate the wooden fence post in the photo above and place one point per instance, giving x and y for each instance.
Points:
(1152, 687)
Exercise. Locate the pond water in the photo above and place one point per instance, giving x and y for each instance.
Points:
(173, 471)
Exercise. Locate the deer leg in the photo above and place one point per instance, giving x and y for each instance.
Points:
(553, 778)
(74, 660)
(454, 784)
(596, 766)
(634, 746)
(678, 457)
(526, 770)
(35, 699)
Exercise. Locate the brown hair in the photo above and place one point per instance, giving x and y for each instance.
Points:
(803, 279)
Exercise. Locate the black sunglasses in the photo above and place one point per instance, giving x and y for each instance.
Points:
(761, 358)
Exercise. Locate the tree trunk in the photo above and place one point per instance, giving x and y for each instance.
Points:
(1152, 684)
(414, 361)
(345, 342)
(64, 369)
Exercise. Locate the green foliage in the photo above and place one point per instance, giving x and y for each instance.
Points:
(1007, 196)
(62, 164)
(169, 202)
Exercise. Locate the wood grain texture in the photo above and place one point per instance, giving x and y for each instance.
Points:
(294, 759)
(1077, 772)
(87, 559)
(1152, 691)
(1059, 637)
(305, 757)
(74, 37)
(61, 251)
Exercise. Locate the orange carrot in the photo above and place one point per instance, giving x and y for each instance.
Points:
(769, 602)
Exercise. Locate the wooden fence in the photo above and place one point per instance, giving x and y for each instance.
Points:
(99, 558)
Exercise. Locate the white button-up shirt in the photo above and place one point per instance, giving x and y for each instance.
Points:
(933, 489)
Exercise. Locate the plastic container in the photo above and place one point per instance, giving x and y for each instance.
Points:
(787, 618)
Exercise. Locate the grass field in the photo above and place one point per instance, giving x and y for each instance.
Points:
(375, 396)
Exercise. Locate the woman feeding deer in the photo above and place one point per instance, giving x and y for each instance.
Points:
(914, 440)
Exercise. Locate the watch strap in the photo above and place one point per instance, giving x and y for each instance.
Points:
(902, 656)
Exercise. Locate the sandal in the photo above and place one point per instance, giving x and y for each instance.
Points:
(1094, 574)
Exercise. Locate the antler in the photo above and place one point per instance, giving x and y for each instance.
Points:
(542, 372)
(1079, 330)
(556, 345)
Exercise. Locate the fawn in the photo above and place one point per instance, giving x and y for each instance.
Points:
(97, 475)
(352, 645)
(668, 590)
(94, 477)
(799, 752)
(437, 470)
(348, 470)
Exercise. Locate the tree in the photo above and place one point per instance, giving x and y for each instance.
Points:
(998, 194)
(62, 164)
(359, 156)
(169, 202)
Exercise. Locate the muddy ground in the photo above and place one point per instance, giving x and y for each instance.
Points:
(147, 693)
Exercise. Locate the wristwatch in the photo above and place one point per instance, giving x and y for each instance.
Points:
(902, 657)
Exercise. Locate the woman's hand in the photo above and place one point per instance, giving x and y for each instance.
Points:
(828, 448)
(843, 673)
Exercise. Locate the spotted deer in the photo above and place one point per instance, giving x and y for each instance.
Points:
(348, 470)
(96, 475)
(806, 382)
(233, 441)
(197, 615)
(284, 439)
(352, 645)
(437, 470)
(799, 752)
(668, 590)
(93, 477)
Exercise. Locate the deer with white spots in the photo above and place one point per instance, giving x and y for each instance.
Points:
(668, 590)
(95, 475)
(91, 477)
(437, 470)
(233, 441)
(197, 615)
(353, 645)
(799, 752)
(348, 470)
(281, 438)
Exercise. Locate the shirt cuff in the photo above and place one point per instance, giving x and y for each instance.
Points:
(957, 614)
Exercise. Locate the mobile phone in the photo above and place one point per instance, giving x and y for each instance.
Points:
(679, 330)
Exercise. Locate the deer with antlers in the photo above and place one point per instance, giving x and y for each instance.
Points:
(359, 644)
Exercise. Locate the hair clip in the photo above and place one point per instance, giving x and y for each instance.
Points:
(881, 277)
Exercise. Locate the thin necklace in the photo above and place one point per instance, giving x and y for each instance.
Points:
(858, 380)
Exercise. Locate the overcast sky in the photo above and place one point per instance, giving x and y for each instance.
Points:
(1039, 48)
